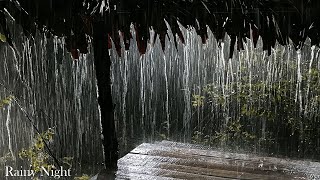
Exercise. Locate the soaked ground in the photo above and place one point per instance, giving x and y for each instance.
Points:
(172, 160)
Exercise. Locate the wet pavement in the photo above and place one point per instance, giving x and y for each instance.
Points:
(172, 160)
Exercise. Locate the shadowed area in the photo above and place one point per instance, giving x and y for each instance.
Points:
(273, 20)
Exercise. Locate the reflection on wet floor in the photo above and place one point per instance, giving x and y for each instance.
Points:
(172, 160)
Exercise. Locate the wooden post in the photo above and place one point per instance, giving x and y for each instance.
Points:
(102, 64)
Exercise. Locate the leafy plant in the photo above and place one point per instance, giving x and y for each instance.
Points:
(36, 154)
(274, 115)
(197, 100)
(6, 101)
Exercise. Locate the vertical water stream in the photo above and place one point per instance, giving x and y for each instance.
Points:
(50, 91)
(193, 92)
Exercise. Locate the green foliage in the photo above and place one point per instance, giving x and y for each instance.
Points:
(3, 38)
(83, 177)
(197, 100)
(235, 131)
(6, 101)
(197, 137)
(239, 109)
(232, 136)
(200, 138)
(163, 137)
(36, 154)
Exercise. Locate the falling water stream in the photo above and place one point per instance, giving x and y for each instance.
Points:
(191, 92)
(50, 91)
(194, 92)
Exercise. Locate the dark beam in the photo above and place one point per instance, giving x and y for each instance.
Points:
(102, 64)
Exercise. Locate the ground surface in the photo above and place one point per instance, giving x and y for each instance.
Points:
(171, 160)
